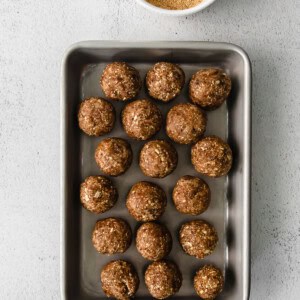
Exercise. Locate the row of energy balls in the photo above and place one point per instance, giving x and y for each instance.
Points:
(146, 202)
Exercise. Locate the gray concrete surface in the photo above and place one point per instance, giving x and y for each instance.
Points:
(33, 38)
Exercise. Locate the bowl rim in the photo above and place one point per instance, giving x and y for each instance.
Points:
(182, 12)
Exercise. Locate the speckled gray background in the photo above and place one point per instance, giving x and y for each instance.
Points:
(33, 38)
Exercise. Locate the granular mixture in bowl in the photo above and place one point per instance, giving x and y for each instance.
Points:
(175, 4)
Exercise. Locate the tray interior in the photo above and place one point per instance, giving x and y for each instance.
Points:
(83, 263)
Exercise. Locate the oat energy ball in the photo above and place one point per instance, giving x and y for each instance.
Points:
(141, 119)
(198, 238)
(165, 81)
(209, 88)
(153, 241)
(211, 156)
(186, 123)
(98, 194)
(191, 195)
(146, 201)
(163, 279)
(208, 282)
(119, 280)
(96, 116)
(120, 81)
(111, 235)
(113, 156)
(158, 159)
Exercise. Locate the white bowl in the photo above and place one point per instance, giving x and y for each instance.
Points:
(183, 12)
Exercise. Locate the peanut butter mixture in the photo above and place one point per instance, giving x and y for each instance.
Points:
(175, 4)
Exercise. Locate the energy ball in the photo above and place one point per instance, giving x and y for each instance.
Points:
(98, 194)
(158, 159)
(209, 88)
(163, 279)
(111, 235)
(119, 280)
(120, 81)
(146, 201)
(191, 195)
(165, 81)
(141, 119)
(208, 282)
(153, 241)
(186, 123)
(211, 156)
(96, 116)
(113, 156)
(198, 238)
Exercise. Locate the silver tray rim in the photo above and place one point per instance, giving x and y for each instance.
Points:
(196, 45)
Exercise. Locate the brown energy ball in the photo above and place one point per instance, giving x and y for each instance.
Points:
(158, 159)
(113, 156)
(146, 201)
(119, 280)
(111, 235)
(191, 195)
(211, 156)
(186, 123)
(209, 88)
(98, 194)
(165, 81)
(141, 119)
(198, 238)
(120, 81)
(163, 279)
(96, 116)
(208, 282)
(153, 241)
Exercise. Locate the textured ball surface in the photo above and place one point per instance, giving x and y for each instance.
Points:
(191, 195)
(158, 159)
(211, 156)
(119, 280)
(208, 282)
(96, 116)
(163, 279)
(98, 194)
(186, 123)
(113, 156)
(141, 119)
(198, 238)
(209, 88)
(146, 201)
(153, 241)
(165, 81)
(120, 81)
(111, 235)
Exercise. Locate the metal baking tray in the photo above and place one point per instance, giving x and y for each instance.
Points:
(230, 205)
